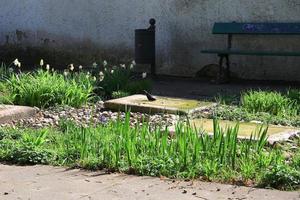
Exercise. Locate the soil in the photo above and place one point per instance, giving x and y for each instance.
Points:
(46, 182)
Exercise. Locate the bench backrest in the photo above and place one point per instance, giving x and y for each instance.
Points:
(257, 28)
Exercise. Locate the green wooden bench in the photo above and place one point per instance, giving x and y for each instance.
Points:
(234, 28)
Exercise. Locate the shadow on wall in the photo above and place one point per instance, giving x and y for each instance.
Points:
(58, 51)
(30, 56)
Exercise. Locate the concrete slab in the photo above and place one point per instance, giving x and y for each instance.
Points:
(275, 133)
(139, 103)
(10, 113)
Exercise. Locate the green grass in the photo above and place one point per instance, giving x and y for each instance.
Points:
(47, 88)
(269, 107)
(143, 151)
(44, 89)
(235, 113)
(273, 103)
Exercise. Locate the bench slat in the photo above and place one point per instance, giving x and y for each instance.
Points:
(246, 52)
(257, 28)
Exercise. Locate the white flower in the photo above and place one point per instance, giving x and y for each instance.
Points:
(94, 78)
(95, 64)
(131, 66)
(87, 76)
(88, 73)
(80, 67)
(52, 69)
(48, 67)
(10, 70)
(17, 63)
(71, 67)
(144, 75)
(105, 63)
(42, 62)
(65, 73)
(112, 71)
(101, 76)
(133, 63)
(123, 66)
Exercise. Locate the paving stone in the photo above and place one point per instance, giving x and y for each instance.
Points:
(139, 103)
(10, 113)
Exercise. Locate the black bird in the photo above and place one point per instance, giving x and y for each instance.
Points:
(149, 96)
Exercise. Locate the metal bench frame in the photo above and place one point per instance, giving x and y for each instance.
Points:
(234, 28)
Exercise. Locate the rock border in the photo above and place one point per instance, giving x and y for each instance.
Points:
(10, 113)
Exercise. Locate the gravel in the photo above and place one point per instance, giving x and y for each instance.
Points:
(94, 114)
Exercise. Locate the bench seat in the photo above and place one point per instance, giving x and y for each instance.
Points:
(250, 53)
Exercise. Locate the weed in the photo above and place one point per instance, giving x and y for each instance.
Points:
(45, 89)
(119, 94)
(282, 177)
(270, 102)
(144, 150)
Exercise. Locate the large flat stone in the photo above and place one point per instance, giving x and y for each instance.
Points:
(275, 133)
(139, 103)
(10, 113)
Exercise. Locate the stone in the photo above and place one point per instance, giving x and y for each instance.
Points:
(166, 105)
(11, 113)
(86, 115)
(275, 133)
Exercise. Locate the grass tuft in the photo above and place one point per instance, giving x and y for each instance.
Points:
(46, 89)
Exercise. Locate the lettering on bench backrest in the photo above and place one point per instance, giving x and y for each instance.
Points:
(271, 28)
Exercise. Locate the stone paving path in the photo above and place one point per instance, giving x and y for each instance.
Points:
(45, 182)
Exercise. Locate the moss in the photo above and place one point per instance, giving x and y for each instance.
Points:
(180, 104)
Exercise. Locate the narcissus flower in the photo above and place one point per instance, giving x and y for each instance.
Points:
(112, 71)
(101, 76)
(66, 73)
(48, 67)
(133, 62)
(95, 64)
(71, 67)
(80, 67)
(17, 63)
(144, 75)
(123, 66)
(42, 63)
(105, 63)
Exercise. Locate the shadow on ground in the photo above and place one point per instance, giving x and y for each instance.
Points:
(205, 89)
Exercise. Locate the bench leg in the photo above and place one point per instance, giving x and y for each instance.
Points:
(221, 69)
(224, 74)
(227, 67)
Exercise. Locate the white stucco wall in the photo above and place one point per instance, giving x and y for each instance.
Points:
(183, 29)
